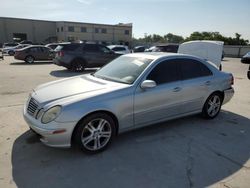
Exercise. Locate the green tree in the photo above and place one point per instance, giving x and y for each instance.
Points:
(218, 37)
(171, 38)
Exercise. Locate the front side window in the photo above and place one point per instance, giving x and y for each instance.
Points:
(34, 49)
(96, 30)
(123, 69)
(165, 72)
(104, 49)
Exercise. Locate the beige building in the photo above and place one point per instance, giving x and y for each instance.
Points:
(39, 31)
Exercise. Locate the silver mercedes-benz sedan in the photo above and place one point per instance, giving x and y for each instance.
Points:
(132, 91)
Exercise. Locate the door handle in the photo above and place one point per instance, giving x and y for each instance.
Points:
(208, 83)
(176, 89)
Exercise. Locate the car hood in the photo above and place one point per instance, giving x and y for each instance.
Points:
(83, 86)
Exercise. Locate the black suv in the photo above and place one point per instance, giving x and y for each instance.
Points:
(173, 48)
(78, 56)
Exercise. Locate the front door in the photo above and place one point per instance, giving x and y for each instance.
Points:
(163, 101)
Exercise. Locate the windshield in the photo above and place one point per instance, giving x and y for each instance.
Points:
(124, 69)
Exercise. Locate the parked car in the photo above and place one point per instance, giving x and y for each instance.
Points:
(139, 49)
(1, 54)
(26, 42)
(119, 49)
(11, 50)
(132, 91)
(11, 44)
(34, 53)
(173, 48)
(246, 60)
(78, 56)
(52, 45)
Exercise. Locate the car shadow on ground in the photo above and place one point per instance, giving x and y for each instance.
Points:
(35, 63)
(188, 152)
(68, 73)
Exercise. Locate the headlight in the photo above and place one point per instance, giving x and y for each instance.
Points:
(51, 114)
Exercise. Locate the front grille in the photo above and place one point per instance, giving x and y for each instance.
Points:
(32, 107)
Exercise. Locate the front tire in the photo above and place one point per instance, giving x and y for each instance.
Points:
(95, 132)
(29, 59)
(212, 106)
(78, 65)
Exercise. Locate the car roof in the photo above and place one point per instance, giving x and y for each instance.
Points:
(163, 45)
(111, 46)
(157, 55)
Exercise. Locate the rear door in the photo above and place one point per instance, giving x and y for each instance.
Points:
(196, 84)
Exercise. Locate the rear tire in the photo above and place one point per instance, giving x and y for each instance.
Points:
(78, 65)
(29, 59)
(11, 53)
(94, 133)
(212, 106)
(220, 68)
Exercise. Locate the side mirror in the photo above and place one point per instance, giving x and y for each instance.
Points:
(146, 84)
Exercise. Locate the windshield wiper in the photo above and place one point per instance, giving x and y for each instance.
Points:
(109, 79)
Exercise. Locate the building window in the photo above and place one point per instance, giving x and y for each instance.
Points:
(61, 29)
(96, 30)
(70, 38)
(126, 32)
(83, 29)
(104, 30)
(57, 30)
(71, 29)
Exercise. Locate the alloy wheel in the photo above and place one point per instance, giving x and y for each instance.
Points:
(29, 59)
(213, 106)
(96, 134)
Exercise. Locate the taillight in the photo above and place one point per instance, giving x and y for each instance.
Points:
(232, 79)
(60, 53)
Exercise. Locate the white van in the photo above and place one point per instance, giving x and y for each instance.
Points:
(205, 49)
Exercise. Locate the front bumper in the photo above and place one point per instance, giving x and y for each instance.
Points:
(245, 60)
(228, 94)
(47, 131)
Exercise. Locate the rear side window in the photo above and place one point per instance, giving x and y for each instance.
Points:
(118, 49)
(68, 47)
(165, 72)
(90, 48)
(193, 69)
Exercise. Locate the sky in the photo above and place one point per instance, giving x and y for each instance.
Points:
(181, 17)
